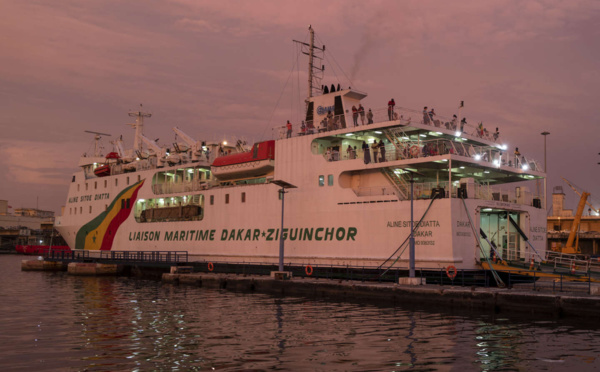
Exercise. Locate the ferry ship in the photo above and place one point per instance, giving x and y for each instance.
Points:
(470, 197)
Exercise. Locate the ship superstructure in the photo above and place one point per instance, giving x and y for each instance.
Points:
(472, 198)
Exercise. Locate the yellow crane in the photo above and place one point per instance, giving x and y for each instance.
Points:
(569, 248)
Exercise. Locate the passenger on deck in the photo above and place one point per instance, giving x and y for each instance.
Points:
(370, 117)
(391, 105)
(426, 117)
(329, 120)
(517, 154)
(463, 122)
(328, 154)
(454, 122)
(289, 129)
(361, 112)
(302, 129)
(350, 152)
(375, 148)
(436, 122)
(323, 126)
(355, 115)
(382, 150)
(496, 134)
(366, 152)
(480, 129)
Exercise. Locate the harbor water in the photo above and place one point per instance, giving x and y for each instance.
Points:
(57, 322)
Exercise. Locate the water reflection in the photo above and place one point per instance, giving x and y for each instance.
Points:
(60, 322)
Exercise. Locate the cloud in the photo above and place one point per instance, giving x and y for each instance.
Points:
(38, 162)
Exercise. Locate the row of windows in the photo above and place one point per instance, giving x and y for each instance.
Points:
(212, 198)
(125, 203)
(329, 180)
(73, 210)
(106, 183)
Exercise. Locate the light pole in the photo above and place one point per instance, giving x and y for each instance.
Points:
(411, 241)
(411, 251)
(284, 185)
(545, 134)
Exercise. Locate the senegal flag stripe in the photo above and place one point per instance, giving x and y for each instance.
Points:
(91, 235)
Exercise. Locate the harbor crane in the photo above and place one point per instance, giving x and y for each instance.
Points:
(569, 248)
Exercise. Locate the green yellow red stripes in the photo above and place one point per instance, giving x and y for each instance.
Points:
(99, 233)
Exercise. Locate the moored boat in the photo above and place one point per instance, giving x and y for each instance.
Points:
(356, 187)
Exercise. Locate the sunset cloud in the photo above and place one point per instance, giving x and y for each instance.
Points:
(216, 69)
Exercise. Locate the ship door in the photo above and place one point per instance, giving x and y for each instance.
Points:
(497, 231)
(338, 110)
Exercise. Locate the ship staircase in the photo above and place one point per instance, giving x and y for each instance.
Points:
(398, 138)
(400, 184)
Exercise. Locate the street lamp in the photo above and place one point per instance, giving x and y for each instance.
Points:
(545, 134)
(284, 185)
(411, 244)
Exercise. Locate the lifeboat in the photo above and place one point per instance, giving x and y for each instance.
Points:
(102, 171)
(259, 161)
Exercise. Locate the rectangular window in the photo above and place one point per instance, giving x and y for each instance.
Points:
(321, 180)
(75, 210)
(95, 185)
(226, 198)
(212, 199)
(80, 210)
(86, 186)
(122, 203)
(105, 206)
(330, 180)
(90, 209)
(243, 197)
(105, 183)
(78, 187)
(139, 178)
(73, 180)
(116, 182)
(128, 180)
(128, 203)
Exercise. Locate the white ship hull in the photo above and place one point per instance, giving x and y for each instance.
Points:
(342, 211)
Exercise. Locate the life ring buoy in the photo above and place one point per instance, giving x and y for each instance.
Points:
(211, 267)
(308, 270)
(451, 272)
(414, 150)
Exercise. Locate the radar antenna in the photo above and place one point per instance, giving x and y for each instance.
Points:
(97, 136)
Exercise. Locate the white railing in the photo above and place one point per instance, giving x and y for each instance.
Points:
(422, 190)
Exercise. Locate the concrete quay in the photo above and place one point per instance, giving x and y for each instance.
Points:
(495, 300)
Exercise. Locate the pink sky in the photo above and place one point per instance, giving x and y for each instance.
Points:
(217, 69)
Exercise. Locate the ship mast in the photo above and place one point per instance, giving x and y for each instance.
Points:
(139, 127)
(315, 74)
(310, 60)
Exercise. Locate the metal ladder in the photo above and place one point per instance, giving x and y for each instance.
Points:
(400, 184)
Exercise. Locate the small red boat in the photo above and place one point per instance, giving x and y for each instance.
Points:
(104, 170)
(260, 160)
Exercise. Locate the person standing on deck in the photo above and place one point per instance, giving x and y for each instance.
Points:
(289, 129)
(426, 117)
(375, 148)
(391, 105)
(361, 112)
(370, 117)
(382, 150)
(355, 115)
(366, 152)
